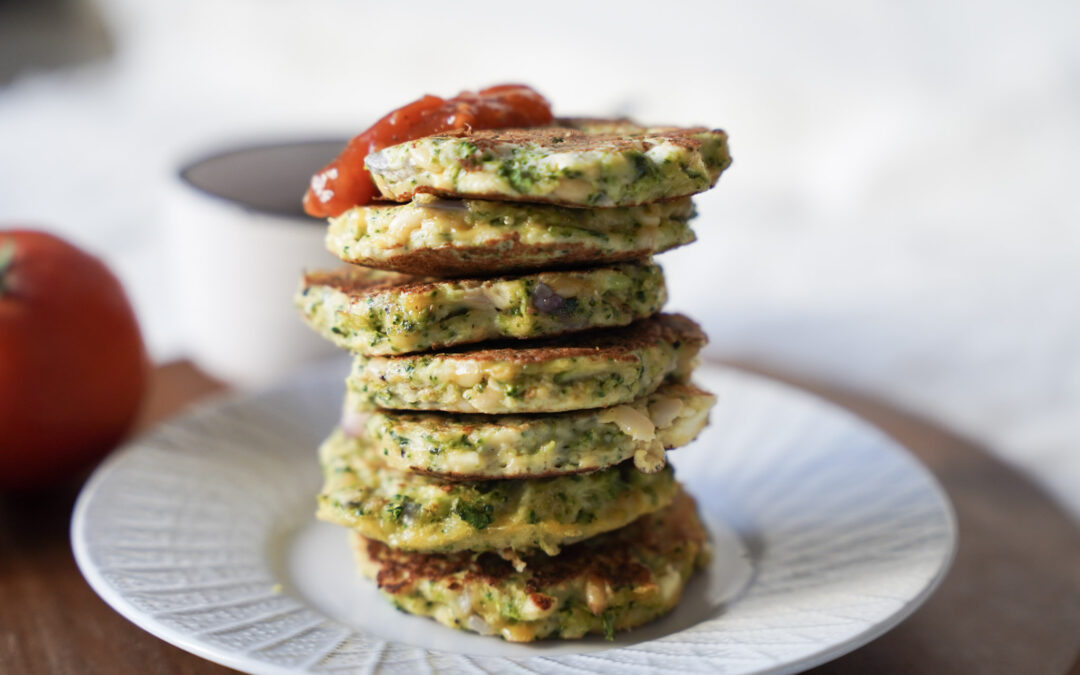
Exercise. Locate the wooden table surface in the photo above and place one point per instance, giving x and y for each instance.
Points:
(1011, 603)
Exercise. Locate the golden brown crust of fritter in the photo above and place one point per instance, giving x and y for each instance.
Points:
(357, 281)
(503, 255)
(473, 477)
(610, 557)
(524, 199)
(361, 282)
(617, 135)
(617, 344)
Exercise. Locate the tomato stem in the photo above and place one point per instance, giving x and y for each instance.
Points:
(7, 258)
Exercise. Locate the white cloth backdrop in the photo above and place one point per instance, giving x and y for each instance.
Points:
(902, 216)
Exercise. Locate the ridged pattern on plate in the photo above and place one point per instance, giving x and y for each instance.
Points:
(848, 535)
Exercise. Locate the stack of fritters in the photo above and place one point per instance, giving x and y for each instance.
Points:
(501, 457)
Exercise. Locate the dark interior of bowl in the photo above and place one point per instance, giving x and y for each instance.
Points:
(270, 178)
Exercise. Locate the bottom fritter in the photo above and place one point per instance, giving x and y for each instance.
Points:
(612, 582)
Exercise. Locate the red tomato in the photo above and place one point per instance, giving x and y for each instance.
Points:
(345, 183)
(73, 368)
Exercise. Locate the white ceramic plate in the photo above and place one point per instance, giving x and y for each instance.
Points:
(826, 534)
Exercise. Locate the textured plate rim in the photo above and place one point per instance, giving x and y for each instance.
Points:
(876, 630)
(242, 662)
(873, 632)
(113, 597)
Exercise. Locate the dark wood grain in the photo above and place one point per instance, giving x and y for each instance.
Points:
(1011, 603)
(51, 622)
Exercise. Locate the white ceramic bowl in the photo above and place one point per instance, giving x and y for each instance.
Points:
(238, 241)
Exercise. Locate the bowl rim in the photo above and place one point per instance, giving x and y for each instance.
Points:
(182, 174)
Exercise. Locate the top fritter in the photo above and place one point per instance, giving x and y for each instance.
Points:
(580, 162)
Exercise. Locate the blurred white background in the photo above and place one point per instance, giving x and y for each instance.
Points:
(902, 215)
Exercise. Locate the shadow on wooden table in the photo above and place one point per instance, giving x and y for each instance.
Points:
(50, 619)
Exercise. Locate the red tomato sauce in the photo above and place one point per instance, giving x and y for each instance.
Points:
(345, 183)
